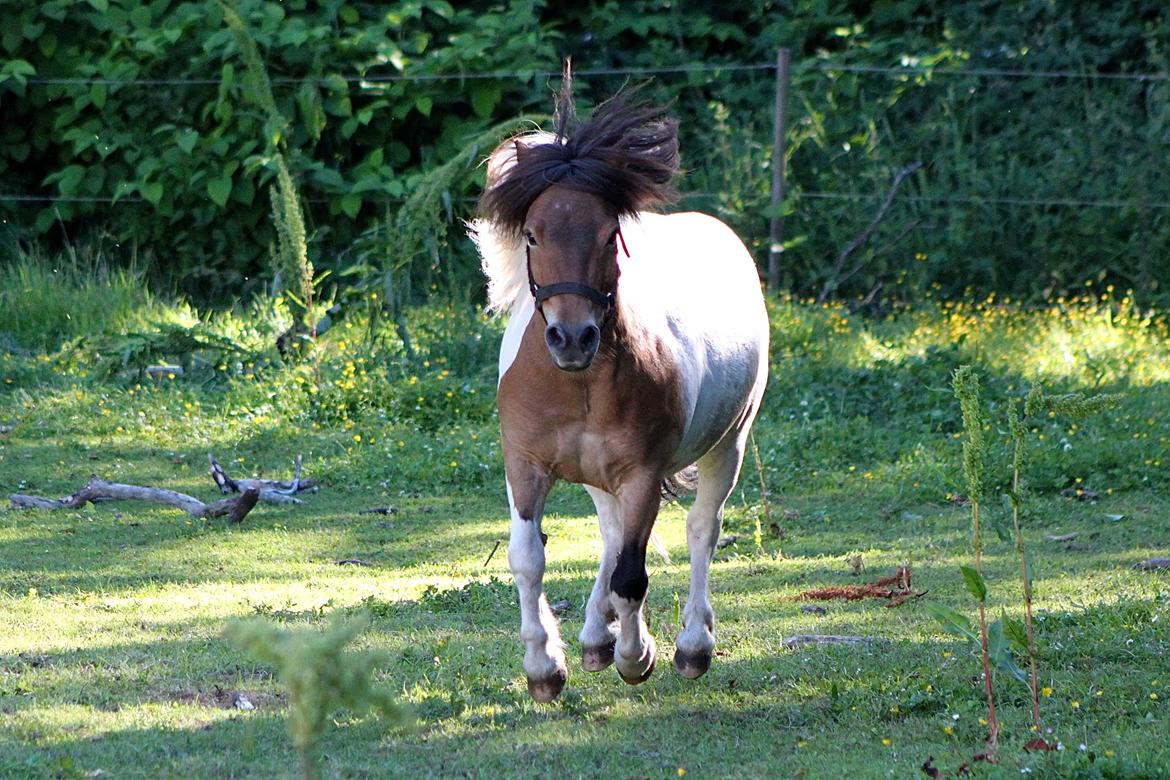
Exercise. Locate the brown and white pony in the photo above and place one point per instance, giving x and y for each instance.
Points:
(636, 345)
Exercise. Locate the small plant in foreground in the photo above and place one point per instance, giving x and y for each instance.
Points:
(320, 676)
(1019, 430)
(966, 384)
(1076, 406)
(996, 641)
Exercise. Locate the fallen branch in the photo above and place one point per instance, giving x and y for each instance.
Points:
(97, 490)
(896, 588)
(835, 278)
(272, 491)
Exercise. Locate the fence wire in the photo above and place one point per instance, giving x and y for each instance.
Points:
(526, 75)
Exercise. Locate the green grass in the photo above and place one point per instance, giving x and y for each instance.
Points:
(47, 300)
(111, 649)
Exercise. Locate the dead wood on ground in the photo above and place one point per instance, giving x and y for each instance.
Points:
(272, 491)
(896, 588)
(800, 640)
(98, 490)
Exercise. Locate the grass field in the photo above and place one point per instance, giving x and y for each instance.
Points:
(112, 656)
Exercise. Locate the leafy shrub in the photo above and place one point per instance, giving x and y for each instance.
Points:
(473, 597)
(188, 159)
(320, 675)
(187, 155)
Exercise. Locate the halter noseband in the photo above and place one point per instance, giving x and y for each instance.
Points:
(542, 293)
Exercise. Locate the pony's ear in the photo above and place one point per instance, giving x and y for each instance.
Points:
(519, 149)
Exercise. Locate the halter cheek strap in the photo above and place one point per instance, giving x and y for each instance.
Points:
(540, 294)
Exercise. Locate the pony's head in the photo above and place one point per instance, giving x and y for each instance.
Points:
(561, 196)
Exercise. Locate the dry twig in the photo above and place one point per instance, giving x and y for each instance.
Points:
(97, 490)
(837, 278)
(799, 640)
(272, 491)
(896, 588)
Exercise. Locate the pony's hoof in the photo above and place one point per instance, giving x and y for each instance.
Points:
(594, 659)
(549, 688)
(639, 680)
(691, 665)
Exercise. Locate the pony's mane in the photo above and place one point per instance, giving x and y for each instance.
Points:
(501, 253)
(626, 153)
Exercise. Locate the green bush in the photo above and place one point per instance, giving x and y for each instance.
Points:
(1006, 159)
(188, 158)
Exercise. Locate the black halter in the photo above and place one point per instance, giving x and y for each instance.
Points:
(606, 300)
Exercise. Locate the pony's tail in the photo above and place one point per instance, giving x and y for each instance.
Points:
(685, 481)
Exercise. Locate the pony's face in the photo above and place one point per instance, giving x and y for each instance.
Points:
(572, 238)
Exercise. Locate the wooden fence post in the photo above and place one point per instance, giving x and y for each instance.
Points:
(779, 130)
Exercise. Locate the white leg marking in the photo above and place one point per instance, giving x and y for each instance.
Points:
(718, 471)
(544, 654)
(601, 629)
(636, 650)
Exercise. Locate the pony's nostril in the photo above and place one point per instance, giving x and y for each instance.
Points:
(555, 337)
(589, 338)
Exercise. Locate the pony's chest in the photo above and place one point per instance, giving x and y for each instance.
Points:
(587, 430)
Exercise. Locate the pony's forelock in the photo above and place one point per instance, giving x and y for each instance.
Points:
(626, 154)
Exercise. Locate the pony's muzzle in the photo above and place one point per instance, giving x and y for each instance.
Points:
(572, 346)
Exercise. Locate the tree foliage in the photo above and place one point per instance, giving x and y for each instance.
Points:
(147, 102)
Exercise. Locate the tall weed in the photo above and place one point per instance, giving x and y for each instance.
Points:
(46, 300)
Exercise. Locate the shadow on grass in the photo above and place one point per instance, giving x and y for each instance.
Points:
(828, 709)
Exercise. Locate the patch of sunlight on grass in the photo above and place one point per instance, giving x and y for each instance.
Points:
(68, 723)
(1089, 341)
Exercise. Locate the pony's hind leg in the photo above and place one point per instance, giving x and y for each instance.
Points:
(635, 652)
(544, 653)
(718, 471)
(600, 632)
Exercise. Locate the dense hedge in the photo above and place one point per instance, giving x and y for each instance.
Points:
(156, 113)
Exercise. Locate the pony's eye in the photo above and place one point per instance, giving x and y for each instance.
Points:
(530, 238)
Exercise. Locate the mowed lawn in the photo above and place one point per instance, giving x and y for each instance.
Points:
(113, 661)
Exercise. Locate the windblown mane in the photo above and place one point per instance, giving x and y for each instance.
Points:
(626, 154)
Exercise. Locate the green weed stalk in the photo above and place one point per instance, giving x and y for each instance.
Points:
(1019, 430)
(765, 501)
(320, 675)
(966, 387)
(1073, 405)
(290, 255)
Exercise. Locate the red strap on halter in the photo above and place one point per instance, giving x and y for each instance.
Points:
(622, 240)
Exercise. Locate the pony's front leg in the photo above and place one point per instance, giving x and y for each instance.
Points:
(636, 651)
(600, 632)
(544, 653)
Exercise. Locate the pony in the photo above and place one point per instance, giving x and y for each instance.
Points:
(636, 346)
